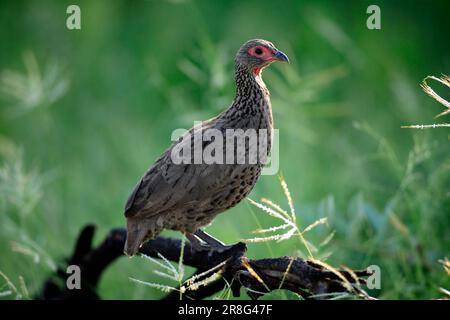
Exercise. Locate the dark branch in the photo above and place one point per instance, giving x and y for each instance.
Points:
(258, 277)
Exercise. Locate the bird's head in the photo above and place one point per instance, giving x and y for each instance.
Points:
(256, 54)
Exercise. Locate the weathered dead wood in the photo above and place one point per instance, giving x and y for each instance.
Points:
(257, 276)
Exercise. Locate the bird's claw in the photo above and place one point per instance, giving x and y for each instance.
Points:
(201, 242)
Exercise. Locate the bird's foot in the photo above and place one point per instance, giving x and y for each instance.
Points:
(201, 241)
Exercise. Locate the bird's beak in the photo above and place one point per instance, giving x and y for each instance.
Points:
(280, 56)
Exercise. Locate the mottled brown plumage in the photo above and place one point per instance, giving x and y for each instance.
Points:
(186, 197)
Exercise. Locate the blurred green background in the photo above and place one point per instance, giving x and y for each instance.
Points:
(83, 114)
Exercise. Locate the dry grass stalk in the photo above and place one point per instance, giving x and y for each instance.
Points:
(445, 80)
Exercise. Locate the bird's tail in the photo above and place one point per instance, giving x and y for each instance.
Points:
(136, 235)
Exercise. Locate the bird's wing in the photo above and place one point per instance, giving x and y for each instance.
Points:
(158, 188)
(131, 197)
(166, 183)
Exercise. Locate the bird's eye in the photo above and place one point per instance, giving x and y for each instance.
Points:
(258, 51)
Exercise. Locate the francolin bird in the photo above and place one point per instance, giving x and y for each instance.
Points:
(188, 196)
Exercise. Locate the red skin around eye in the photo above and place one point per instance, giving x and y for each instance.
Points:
(267, 55)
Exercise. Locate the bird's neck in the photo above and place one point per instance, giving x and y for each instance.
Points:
(252, 101)
(249, 81)
(251, 91)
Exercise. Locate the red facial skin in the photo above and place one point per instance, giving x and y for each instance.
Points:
(267, 55)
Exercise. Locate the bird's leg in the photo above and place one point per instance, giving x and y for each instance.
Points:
(211, 243)
(208, 238)
(196, 243)
(201, 241)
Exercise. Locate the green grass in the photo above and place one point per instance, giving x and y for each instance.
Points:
(84, 113)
